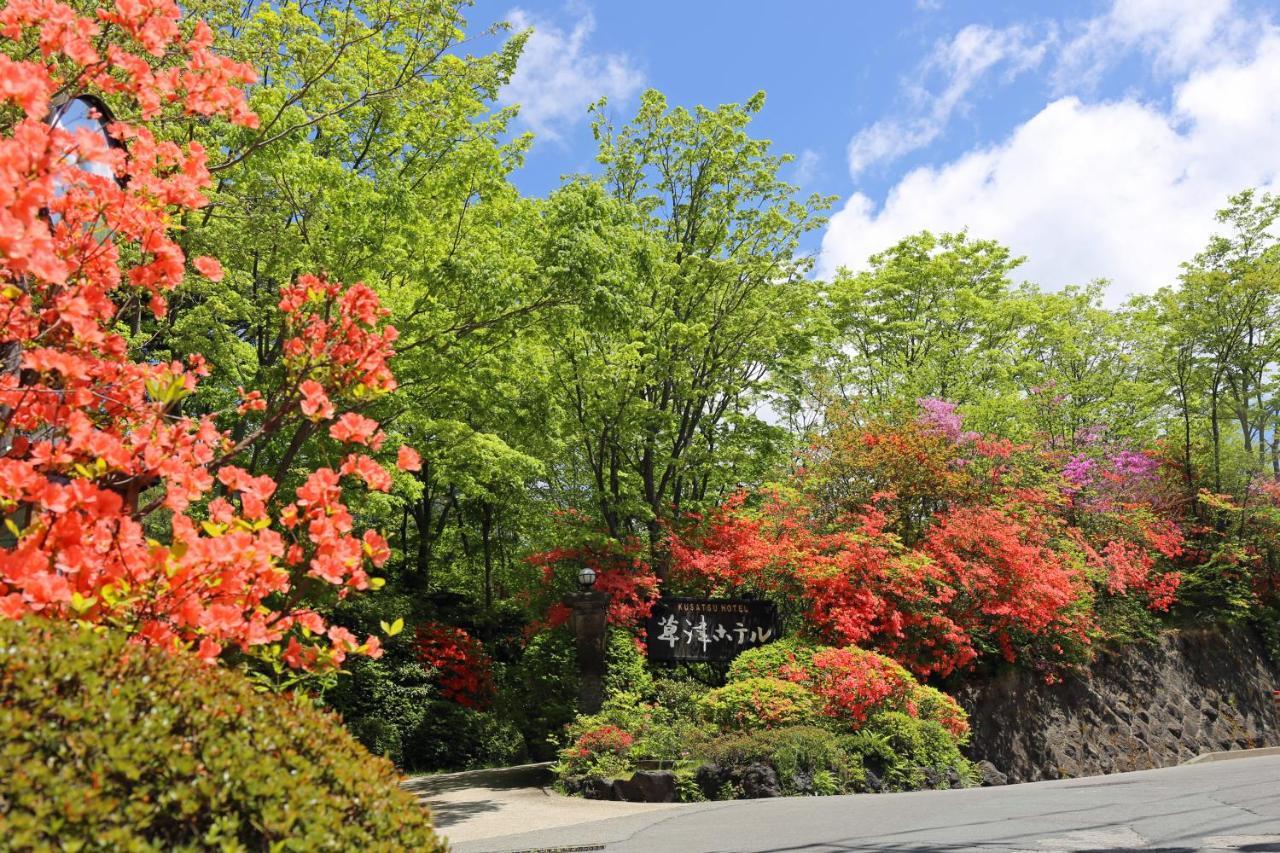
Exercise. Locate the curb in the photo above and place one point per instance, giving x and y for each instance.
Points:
(1230, 755)
(520, 776)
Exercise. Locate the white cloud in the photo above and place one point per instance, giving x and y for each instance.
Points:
(1122, 189)
(1175, 35)
(960, 63)
(558, 76)
(806, 167)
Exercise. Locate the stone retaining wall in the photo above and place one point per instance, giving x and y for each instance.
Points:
(1194, 691)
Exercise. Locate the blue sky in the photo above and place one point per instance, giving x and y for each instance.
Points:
(1095, 138)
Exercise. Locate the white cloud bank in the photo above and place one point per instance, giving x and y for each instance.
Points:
(961, 62)
(1123, 190)
(558, 76)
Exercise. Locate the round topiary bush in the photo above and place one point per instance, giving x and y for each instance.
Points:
(111, 745)
(760, 703)
(790, 659)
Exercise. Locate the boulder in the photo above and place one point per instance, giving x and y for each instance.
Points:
(929, 777)
(596, 788)
(710, 778)
(873, 782)
(989, 775)
(759, 781)
(647, 786)
(953, 778)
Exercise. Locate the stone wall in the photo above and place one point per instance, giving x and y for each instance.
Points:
(1194, 691)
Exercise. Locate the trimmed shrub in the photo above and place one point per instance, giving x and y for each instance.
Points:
(928, 703)
(760, 703)
(680, 696)
(625, 667)
(798, 754)
(855, 684)
(111, 745)
(790, 659)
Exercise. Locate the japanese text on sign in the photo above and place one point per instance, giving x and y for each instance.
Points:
(709, 629)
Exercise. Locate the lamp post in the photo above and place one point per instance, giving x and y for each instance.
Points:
(589, 621)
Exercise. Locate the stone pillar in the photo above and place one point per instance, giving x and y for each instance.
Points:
(589, 622)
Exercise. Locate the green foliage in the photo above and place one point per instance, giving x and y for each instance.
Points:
(658, 732)
(782, 659)
(452, 737)
(625, 667)
(539, 692)
(687, 788)
(680, 696)
(116, 746)
(384, 702)
(898, 747)
(796, 753)
(760, 703)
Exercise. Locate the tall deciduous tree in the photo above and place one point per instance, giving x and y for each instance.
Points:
(662, 375)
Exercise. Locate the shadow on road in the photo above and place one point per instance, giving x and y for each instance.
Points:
(445, 813)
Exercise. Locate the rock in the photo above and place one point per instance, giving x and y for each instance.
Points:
(930, 778)
(647, 786)
(710, 778)
(989, 775)
(873, 782)
(595, 788)
(953, 778)
(802, 782)
(758, 781)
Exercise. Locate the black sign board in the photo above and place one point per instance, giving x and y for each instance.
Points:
(709, 629)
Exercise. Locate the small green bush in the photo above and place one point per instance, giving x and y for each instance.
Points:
(452, 737)
(898, 747)
(539, 693)
(790, 659)
(625, 668)
(116, 746)
(796, 753)
(679, 695)
(756, 703)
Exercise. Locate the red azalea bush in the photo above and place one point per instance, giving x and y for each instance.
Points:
(938, 547)
(605, 739)
(621, 570)
(600, 751)
(96, 445)
(465, 671)
(855, 684)
(848, 684)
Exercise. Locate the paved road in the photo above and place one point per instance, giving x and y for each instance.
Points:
(480, 804)
(1227, 805)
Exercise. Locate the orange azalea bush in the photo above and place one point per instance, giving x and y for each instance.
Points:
(120, 507)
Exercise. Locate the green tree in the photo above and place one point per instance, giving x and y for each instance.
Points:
(661, 372)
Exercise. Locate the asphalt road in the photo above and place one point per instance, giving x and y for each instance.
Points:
(1227, 805)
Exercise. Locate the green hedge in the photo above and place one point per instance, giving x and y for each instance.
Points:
(110, 745)
(760, 703)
